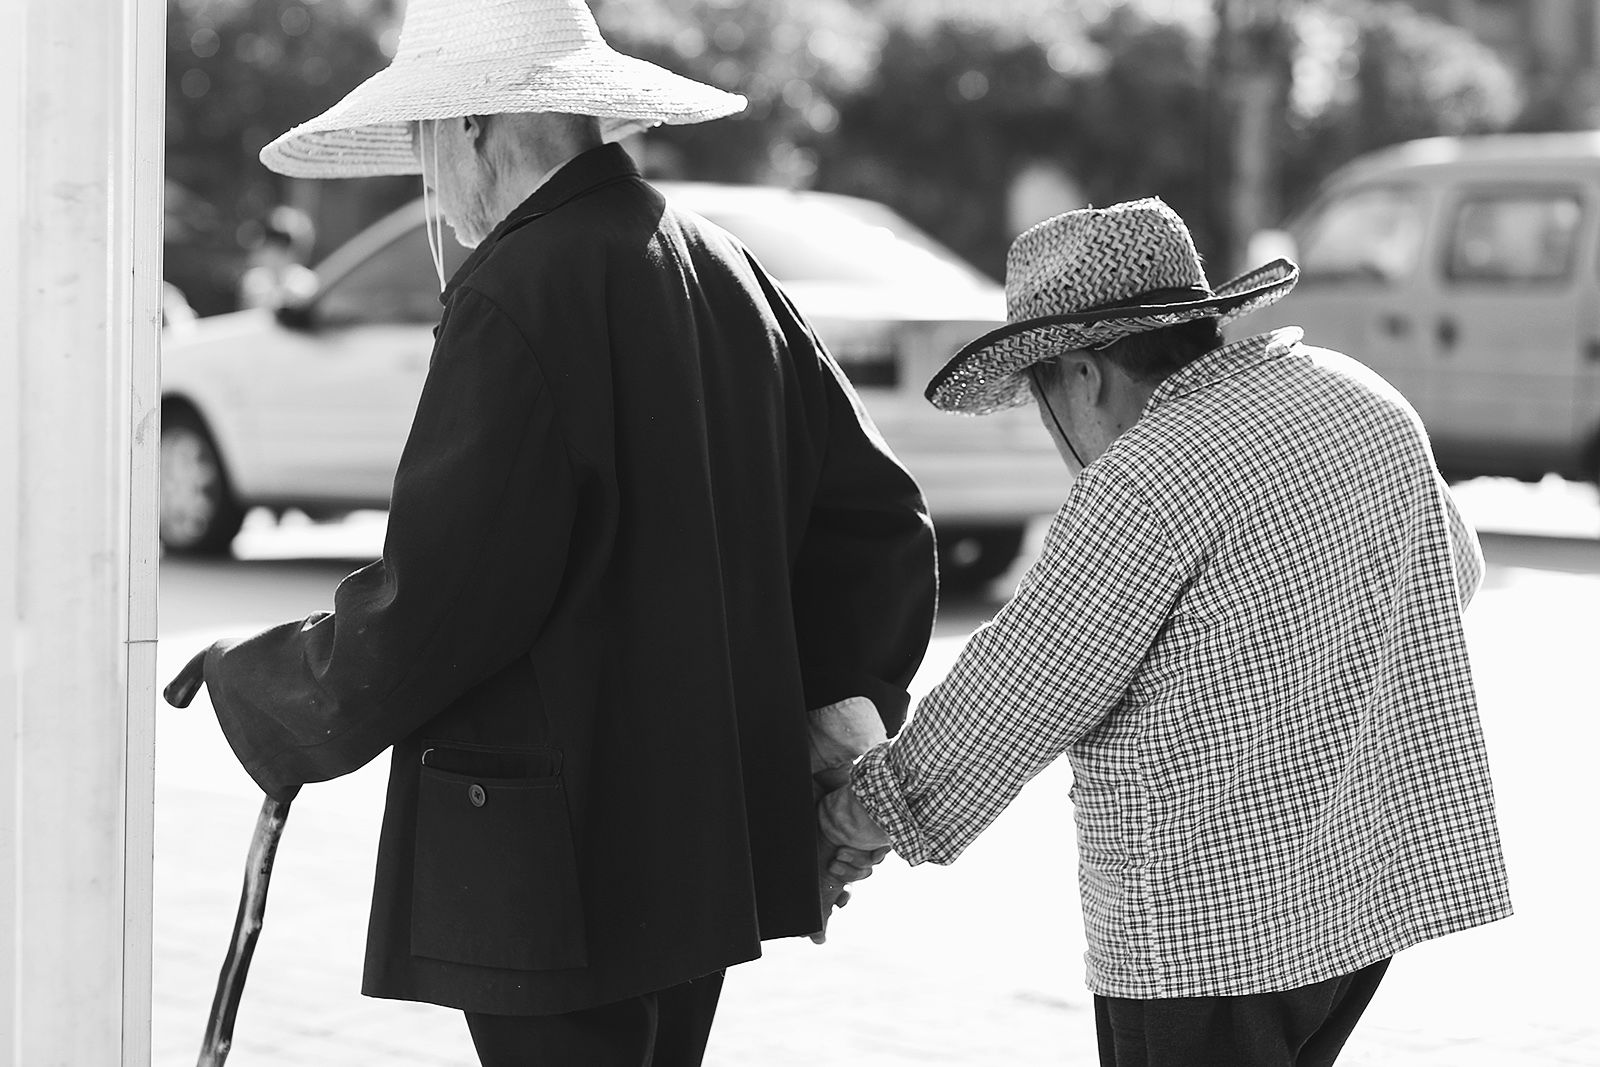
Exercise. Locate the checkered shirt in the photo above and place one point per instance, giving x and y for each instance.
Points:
(1244, 631)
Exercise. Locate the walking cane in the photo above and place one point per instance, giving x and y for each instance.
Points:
(218, 1039)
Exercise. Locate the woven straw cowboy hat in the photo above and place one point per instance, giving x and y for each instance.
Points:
(489, 57)
(1086, 279)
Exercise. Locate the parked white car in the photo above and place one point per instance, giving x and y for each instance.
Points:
(308, 407)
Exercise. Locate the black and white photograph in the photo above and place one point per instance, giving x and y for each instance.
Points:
(768, 533)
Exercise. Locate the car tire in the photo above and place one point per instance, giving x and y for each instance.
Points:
(199, 514)
(970, 556)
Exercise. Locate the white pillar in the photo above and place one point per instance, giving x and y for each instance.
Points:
(81, 116)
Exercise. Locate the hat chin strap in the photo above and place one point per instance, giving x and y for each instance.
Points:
(433, 217)
(1033, 372)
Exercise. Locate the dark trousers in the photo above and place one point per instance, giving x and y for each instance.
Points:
(668, 1028)
(1303, 1027)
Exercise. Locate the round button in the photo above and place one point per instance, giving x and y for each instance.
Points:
(476, 795)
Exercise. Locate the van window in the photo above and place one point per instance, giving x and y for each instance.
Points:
(1371, 234)
(1514, 236)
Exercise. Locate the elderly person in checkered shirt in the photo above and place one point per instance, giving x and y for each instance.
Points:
(1244, 631)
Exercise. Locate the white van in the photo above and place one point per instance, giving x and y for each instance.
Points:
(1466, 271)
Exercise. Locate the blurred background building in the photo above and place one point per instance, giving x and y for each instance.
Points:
(971, 118)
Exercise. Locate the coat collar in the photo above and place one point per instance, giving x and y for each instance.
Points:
(579, 175)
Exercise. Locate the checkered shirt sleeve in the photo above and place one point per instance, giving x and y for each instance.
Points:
(1033, 681)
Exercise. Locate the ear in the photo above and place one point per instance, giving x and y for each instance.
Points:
(1090, 375)
(476, 130)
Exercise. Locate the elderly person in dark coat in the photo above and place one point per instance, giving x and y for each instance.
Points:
(649, 567)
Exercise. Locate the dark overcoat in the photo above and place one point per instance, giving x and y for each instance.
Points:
(640, 526)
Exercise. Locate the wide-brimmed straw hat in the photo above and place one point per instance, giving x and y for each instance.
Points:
(490, 57)
(1085, 279)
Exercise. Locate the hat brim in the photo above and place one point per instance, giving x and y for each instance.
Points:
(987, 375)
(367, 133)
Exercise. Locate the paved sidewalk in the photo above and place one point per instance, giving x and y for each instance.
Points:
(975, 964)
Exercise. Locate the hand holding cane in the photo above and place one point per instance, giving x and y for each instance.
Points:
(218, 1039)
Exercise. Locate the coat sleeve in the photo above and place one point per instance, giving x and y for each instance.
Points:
(479, 527)
(866, 579)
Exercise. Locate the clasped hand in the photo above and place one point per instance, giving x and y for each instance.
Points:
(838, 863)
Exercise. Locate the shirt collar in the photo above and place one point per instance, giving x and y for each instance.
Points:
(581, 174)
(1234, 358)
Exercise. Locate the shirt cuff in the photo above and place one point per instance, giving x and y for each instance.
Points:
(876, 787)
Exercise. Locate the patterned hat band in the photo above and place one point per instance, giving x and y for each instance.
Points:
(1156, 297)
(1087, 279)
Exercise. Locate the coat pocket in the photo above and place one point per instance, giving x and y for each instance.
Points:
(496, 878)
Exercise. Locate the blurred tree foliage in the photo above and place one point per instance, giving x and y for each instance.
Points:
(793, 59)
(240, 72)
(1368, 74)
(933, 106)
(960, 106)
(1120, 101)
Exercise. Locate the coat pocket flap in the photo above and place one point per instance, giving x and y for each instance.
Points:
(486, 761)
(496, 877)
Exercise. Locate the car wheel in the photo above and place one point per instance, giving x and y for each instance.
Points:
(969, 556)
(199, 515)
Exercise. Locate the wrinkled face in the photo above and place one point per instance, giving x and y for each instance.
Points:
(454, 169)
